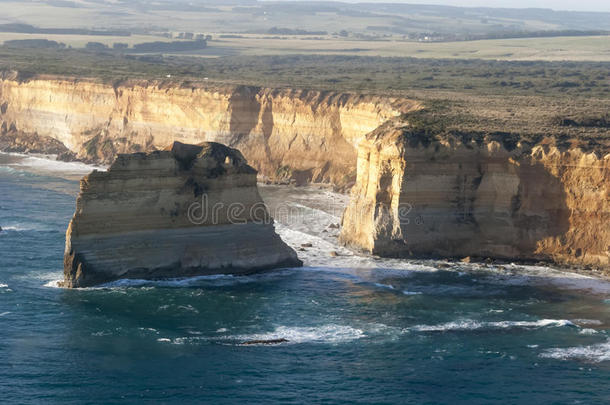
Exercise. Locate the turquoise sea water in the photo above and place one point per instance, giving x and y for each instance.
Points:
(358, 329)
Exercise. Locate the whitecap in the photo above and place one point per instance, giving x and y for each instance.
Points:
(405, 292)
(388, 286)
(19, 228)
(469, 324)
(594, 353)
(188, 308)
(580, 321)
(587, 331)
(3, 285)
(316, 334)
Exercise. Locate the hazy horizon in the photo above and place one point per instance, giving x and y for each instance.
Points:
(558, 5)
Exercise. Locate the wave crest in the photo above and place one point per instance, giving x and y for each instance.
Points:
(469, 324)
(593, 353)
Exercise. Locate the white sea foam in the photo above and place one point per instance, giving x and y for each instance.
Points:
(388, 286)
(469, 324)
(209, 280)
(48, 163)
(321, 254)
(188, 308)
(542, 275)
(324, 244)
(20, 228)
(53, 284)
(594, 353)
(405, 292)
(581, 321)
(2, 285)
(317, 334)
(324, 334)
(4, 313)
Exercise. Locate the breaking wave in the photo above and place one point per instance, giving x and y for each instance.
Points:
(326, 334)
(319, 334)
(592, 353)
(468, 324)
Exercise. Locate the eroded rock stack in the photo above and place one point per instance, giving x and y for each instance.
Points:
(184, 211)
(485, 196)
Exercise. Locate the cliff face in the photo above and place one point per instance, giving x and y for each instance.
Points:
(190, 210)
(304, 135)
(453, 197)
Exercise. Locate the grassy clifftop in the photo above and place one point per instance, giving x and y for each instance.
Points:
(566, 100)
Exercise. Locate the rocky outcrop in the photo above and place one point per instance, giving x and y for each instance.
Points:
(286, 134)
(185, 211)
(487, 196)
(12, 140)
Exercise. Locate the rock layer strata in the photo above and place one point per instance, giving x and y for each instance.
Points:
(185, 211)
(298, 135)
(447, 196)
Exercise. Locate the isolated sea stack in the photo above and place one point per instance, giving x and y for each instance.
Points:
(185, 211)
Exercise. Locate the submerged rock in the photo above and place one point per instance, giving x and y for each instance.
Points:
(264, 342)
(186, 211)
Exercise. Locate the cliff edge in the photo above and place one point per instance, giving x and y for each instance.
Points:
(485, 195)
(185, 211)
(288, 135)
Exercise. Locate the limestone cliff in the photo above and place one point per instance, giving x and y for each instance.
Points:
(447, 195)
(285, 134)
(189, 210)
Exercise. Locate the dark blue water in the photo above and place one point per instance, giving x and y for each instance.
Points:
(461, 335)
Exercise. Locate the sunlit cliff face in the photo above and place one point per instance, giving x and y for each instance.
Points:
(304, 135)
(456, 199)
(481, 199)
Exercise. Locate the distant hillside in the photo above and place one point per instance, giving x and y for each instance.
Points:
(251, 16)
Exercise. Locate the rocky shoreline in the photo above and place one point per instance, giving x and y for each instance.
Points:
(465, 192)
(14, 141)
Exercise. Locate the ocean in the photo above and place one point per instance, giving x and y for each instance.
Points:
(359, 329)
